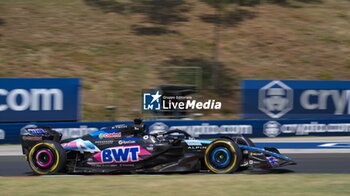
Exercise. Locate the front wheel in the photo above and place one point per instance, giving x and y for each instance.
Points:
(223, 156)
(47, 157)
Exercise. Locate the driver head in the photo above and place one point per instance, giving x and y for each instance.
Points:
(137, 121)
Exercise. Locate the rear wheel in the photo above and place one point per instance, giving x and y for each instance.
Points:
(47, 157)
(223, 156)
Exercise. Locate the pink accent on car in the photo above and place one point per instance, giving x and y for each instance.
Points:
(43, 152)
(69, 145)
(98, 156)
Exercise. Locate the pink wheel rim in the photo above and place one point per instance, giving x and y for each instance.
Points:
(44, 152)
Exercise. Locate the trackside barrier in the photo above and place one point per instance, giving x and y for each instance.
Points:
(295, 99)
(47, 99)
(9, 132)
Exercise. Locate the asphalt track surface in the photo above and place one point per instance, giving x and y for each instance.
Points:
(306, 163)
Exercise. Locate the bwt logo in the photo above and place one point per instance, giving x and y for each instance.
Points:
(275, 99)
(33, 99)
(121, 154)
(151, 101)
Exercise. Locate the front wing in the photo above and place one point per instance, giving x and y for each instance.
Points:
(259, 157)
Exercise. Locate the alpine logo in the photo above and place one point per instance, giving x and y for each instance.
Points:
(275, 99)
(121, 154)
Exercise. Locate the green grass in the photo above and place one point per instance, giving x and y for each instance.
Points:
(325, 75)
(288, 184)
(343, 15)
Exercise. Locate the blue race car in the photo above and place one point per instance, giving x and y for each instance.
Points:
(128, 149)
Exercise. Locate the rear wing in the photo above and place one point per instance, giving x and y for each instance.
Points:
(32, 136)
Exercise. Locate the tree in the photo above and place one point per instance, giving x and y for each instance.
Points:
(220, 7)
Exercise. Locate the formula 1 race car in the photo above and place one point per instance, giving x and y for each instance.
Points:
(128, 149)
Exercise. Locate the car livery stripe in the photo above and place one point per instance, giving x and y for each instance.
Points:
(197, 142)
(265, 151)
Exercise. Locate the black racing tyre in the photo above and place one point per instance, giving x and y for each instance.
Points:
(249, 142)
(243, 141)
(47, 157)
(223, 156)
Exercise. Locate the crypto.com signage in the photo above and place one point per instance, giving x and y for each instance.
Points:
(295, 99)
(39, 99)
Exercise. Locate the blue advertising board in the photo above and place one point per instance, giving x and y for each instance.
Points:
(9, 132)
(39, 99)
(263, 99)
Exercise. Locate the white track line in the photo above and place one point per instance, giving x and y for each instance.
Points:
(314, 151)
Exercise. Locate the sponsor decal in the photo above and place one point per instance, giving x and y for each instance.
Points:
(197, 147)
(156, 101)
(273, 161)
(122, 126)
(31, 138)
(319, 100)
(275, 99)
(23, 130)
(32, 99)
(104, 165)
(252, 162)
(207, 129)
(2, 134)
(197, 144)
(36, 131)
(69, 132)
(193, 143)
(296, 99)
(121, 155)
(104, 142)
(109, 135)
(122, 142)
(272, 129)
(127, 165)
